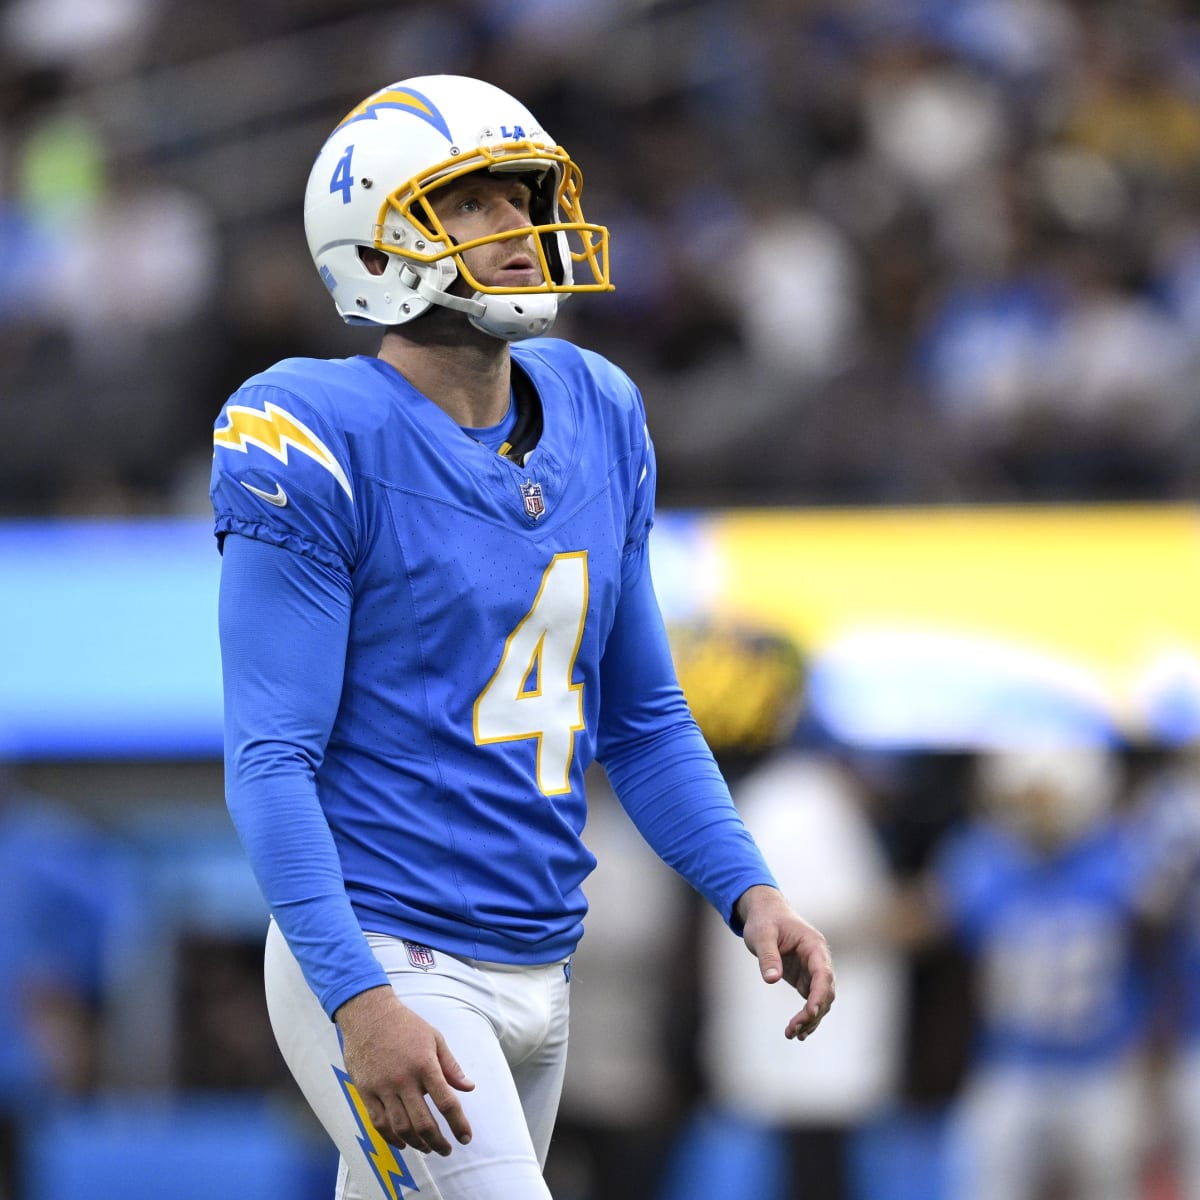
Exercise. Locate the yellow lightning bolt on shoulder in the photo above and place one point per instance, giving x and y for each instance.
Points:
(388, 1166)
(274, 430)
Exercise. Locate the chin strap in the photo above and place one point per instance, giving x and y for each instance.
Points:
(473, 308)
(510, 318)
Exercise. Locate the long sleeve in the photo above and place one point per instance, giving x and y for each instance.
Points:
(660, 766)
(284, 621)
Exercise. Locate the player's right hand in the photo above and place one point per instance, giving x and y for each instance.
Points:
(397, 1059)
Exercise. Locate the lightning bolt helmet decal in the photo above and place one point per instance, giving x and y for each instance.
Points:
(274, 430)
(403, 99)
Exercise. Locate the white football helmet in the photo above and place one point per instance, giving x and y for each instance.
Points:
(1052, 794)
(368, 189)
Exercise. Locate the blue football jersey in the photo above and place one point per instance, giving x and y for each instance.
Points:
(482, 596)
(1052, 938)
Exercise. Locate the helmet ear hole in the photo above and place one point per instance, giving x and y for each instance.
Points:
(375, 261)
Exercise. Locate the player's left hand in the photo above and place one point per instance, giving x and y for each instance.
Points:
(788, 947)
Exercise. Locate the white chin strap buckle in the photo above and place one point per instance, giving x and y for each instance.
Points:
(511, 317)
(515, 317)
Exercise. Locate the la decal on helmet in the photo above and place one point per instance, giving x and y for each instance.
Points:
(369, 189)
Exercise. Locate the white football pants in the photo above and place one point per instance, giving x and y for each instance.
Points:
(507, 1026)
(1020, 1125)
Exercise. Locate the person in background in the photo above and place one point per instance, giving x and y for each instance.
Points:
(1166, 814)
(1044, 886)
(69, 892)
(810, 811)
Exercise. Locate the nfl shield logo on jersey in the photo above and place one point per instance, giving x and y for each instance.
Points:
(531, 494)
(420, 956)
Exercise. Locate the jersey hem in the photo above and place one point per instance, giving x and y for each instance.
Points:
(542, 953)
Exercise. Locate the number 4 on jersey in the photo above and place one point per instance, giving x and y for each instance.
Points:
(531, 695)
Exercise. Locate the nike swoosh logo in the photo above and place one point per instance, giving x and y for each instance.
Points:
(278, 497)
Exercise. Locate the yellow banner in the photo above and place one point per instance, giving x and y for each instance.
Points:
(1112, 592)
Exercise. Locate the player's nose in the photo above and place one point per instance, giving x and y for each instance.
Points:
(508, 217)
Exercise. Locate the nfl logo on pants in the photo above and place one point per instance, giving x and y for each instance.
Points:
(420, 956)
(531, 494)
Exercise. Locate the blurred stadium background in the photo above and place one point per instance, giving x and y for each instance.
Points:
(912, 290)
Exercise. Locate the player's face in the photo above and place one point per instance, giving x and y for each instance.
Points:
(480, 205)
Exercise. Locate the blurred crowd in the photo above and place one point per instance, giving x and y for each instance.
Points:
(866, 251)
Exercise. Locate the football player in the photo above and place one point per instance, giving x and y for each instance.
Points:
(1044, 888)
(435, 612)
